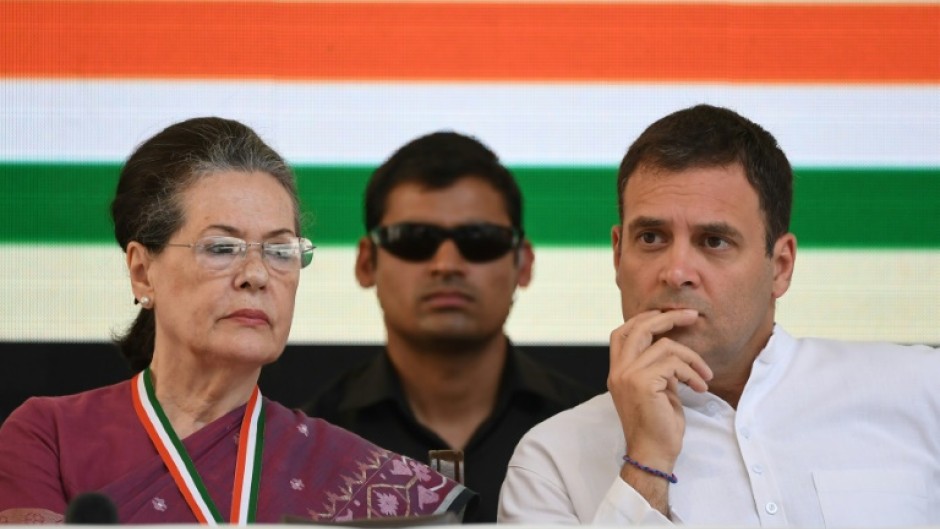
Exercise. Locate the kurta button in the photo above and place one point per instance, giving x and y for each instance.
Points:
(745, 433)
(758, 469)
(771, 508)
(711, 408)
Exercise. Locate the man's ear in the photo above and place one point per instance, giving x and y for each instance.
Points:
(525, 259)
(365, 262)
(138, 267)
(616, 234)
(784, 259)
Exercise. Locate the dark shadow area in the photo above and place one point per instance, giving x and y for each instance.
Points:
(34, 369)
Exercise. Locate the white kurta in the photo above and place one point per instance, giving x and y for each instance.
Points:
(826, 434)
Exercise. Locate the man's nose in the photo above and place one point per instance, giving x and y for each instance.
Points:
(447, 259)
(680, 268)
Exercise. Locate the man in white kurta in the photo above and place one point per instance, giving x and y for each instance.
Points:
(826, 434)
(716, 416)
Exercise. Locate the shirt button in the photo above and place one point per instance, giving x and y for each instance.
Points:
(771, 508)
(758, 469)
(711, 408)
(745, 433)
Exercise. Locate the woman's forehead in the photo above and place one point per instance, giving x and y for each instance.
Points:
(242, 200)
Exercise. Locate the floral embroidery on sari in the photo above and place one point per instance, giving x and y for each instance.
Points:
(399, 481)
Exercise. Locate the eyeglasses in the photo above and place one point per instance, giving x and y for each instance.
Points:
(219, 253)
(478, 243)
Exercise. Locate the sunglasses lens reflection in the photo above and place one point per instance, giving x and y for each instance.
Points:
(419, 242)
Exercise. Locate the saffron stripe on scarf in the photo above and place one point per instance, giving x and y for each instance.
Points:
(156, 425)
(444, 41)
(248, 464)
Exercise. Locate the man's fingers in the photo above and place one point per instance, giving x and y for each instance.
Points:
(687, 357)
(620, 333)
(630, 339)
(690, 376)
(663, 360)
(669, 320)
(662, 348)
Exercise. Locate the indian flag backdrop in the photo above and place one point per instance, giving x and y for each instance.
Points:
(558, 89)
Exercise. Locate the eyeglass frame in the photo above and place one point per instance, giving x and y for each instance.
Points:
(305, 246)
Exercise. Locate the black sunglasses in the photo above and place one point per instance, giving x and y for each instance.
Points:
(478, 243)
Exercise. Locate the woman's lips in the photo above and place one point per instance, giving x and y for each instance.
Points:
(250, 317)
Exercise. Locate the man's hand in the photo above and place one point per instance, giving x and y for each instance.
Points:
(645, 373)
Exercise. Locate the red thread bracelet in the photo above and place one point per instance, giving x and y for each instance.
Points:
(671, 478)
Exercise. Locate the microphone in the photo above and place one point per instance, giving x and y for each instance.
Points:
(91, 508)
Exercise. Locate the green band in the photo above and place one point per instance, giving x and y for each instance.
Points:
(564, 206)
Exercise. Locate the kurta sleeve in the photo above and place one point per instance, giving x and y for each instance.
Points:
(528, 497)
(548, 483)
(622, 505)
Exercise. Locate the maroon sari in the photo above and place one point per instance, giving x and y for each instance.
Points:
(55, 448)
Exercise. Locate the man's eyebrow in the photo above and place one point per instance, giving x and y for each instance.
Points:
(644, 222)
(714, 228)
(720, 228)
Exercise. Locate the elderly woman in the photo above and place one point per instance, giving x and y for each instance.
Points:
(207, 215)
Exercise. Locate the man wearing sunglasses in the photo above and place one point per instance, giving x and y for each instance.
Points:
(445, 251)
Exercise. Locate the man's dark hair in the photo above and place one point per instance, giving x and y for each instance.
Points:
(708, 136)
(437, 161)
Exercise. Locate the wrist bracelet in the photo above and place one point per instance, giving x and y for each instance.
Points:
(671, 478)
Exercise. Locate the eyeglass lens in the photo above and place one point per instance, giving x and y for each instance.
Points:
(219, 253)
(477, 243)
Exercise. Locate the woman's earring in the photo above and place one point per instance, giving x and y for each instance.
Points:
(145, 302)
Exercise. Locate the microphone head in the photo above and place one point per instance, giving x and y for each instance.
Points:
(91, 508)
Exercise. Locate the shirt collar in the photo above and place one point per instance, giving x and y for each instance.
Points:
(778, 349)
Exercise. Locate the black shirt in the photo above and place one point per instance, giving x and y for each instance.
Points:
(369, 401)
